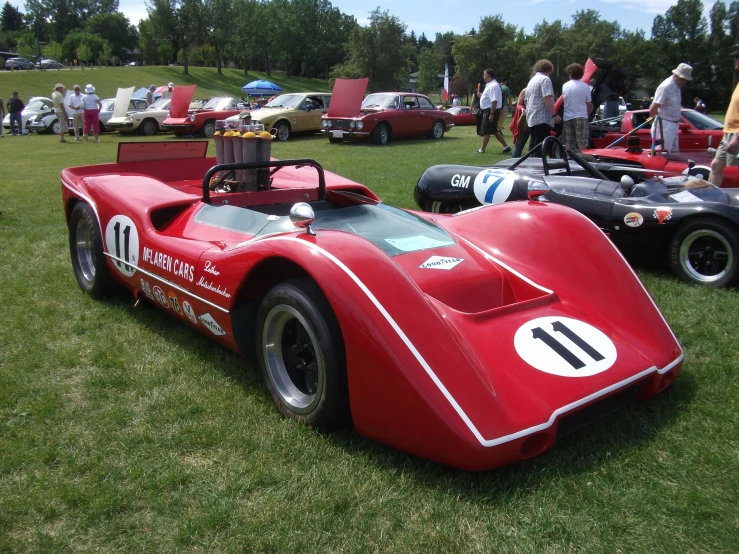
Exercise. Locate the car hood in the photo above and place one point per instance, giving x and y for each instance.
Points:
(181, 97)
(346, 97)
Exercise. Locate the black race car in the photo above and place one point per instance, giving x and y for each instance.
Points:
(695, 223)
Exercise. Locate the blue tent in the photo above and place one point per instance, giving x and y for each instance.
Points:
(261, 88)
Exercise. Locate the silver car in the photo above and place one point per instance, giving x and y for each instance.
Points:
(135, 105)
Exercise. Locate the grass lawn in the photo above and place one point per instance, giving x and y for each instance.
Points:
(121, 430)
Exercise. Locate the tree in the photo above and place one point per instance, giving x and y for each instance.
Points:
(116, 29)
(11, 18)
(218, 17)
(53, 50)
(428, 71)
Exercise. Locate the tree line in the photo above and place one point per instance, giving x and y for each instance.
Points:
(312, 38)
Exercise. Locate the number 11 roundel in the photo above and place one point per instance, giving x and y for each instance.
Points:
(564, 346)
(122, 242)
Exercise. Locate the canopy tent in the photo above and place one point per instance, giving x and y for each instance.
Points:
(261, 88)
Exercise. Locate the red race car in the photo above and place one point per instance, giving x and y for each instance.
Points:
(448, 337)
(462, 115)
(382, 115)
(697, 131)
(182, 121)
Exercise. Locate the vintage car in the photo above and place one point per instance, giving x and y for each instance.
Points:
(36, 105)
(697, 131)
(292, 113)
(462, 115)
(382, 115)
(447, 337)
(147, 122)
(108, 108)
(203, 120)
(685, 219)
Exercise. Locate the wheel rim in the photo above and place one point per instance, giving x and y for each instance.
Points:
(437, 130)
(706, 256)
(55, 127)
(283, 133)
(85, 250)
(209, 129)
(441, 208)
(383, 134)
(293, 358)
(149, 128)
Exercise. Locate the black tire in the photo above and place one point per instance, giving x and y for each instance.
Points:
(705, 251)
(437, 207)
(208, 128)
(86, 250)
(381, 134)
(56, 127)
(149, 127)
(283, 130)
(437, 130)
(300, 351)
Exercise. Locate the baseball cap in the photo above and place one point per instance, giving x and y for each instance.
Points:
(170, 85)
(152, 87)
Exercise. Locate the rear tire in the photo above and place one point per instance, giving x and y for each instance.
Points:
(86, 250)
(208, 128)
(705, 251)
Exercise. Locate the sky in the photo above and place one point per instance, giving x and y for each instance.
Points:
(459, 16)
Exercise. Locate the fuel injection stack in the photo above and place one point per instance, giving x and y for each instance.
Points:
(242, 142)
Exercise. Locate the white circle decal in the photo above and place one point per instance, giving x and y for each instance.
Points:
(122, 241)
(564, 346)
(494, 186)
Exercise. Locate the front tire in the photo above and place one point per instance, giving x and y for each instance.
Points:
(149, 127)
(437, 130)
(86, 250)
(208, 128)
(437, 207)
(283, 130)
(705, 252)
(381, 134)
(300, 351)
(55, 127)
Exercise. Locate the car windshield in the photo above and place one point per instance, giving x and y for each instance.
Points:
(682, 189)
(108, 104)
(161, 104)
(219, 103)
(288, 101)
(381, 100)
(702, 122)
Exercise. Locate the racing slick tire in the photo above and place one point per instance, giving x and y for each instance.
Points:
(381, 134)
(434, 206)
(300, 351)
(437, 130)
(282, 130)
(86, 250)
(208, 128)
(149, 127)
(705, 251)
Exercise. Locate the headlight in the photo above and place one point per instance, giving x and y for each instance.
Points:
(326, 123)
(352, 124)
(192, 118)
(360, 124)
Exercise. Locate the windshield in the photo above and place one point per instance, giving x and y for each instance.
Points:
(680, 189)
(381, 100)
(702, 122)
(38, 104)
(108, 104)
(220, 103)
(161, 104)
(288, 101)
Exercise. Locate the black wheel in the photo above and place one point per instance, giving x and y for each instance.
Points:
(208, 128)
(149, 127)
(300, 351)
(381, 134)
(283, 130)
(437, 130)
(705, 251)
(55, 127)
(86, 249)
(442, 208)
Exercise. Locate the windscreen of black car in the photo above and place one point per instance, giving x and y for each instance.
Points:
(702, 122)
(393, 230)
(679, 190)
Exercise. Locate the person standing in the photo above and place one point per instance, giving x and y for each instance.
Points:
(507, 96)
(2, 115)
(667, 104)
(728, 150)
(150, 95)
(541, 115)
(700, 105)
(57, 97)
(610, 107)
(15, 107)
(577, 106)
(168, 93)
(76, 112)
(519, 127)
(92, 106)
(491, 105)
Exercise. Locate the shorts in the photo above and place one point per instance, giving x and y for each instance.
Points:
(723, 155)
(491, 127)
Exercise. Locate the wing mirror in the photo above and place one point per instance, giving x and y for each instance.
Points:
(537, 189)
(684, 127)
(302, 216)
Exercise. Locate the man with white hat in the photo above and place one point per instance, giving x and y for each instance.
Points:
(60, 110)
(667, 103)
(728, 151)
(168, 93)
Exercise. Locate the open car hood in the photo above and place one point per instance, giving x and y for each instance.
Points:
(181, 97)
(346, 97)
(122, 99)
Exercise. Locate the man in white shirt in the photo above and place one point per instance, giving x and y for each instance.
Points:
(168, 93)
(577, 107)
(491, 105)
(540, 113)
(667, 104)
(76, 112)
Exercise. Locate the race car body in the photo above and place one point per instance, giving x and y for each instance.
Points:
(447, 337)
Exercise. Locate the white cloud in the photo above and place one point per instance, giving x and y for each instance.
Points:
(134, 10)
(646, 6)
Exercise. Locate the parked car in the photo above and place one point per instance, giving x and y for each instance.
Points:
(36, 105)
(292, 113)
(147, 122)
(622, 107)
(385, 115)
(18, 63)
(45, 122)
(106, 113)
(451, 338)
(462, 115)
(203, 120)
(696, 131)
(49, 64)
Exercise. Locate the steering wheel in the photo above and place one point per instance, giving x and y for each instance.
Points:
(551, 142)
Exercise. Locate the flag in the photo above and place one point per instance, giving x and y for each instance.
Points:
(446, 83)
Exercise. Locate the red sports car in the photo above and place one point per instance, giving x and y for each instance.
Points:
(382, 115)
(448, 337)
(462, 115)
(202, 120)
(698, 132)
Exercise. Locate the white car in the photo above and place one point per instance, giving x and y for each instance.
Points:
(147, 122)
(36, 105)
(106, 113)
(622, 107)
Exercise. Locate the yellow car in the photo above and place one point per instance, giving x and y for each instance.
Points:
(292, 113)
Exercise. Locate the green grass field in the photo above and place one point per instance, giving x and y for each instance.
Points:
(122, 430)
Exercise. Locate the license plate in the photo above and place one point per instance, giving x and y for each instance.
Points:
(338, 134)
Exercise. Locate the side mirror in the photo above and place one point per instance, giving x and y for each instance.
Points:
(684, 127)
(537, 189)
(302, 216)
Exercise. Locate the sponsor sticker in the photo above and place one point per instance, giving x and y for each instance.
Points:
(168, 263)
(494, 186)
(122, 241)
(189, 312)
(146, 289)
(160, 296)
(662, 214)
(634, 219)
(564, 346)
(441, 262)
(175, 303)
(210, 323)
(214, 288)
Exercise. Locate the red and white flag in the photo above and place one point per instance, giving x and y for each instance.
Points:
(446, 83)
